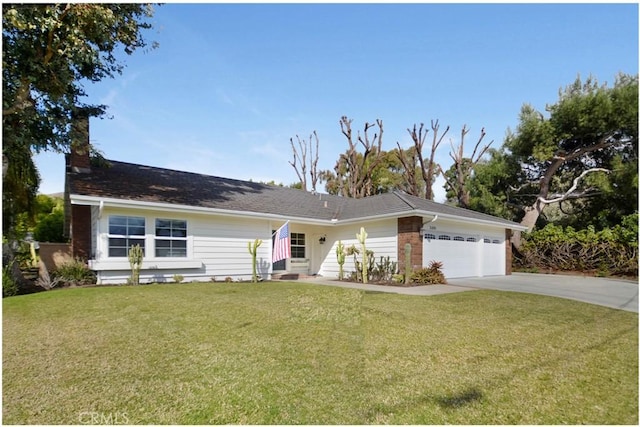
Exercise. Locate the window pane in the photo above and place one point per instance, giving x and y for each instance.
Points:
(179, 244)
(180, 224)
(163, 232)
(163, 223)
(174, 227)
(120, 230)
(297, 252)
(135, 221)
(117, 252)
(297, 239)
(136, 231)
(117, 220)
(133, 242)
(163, 253)
(179, 232)
(179, 252)
(171, 248)
(163, 243)
(122, 243)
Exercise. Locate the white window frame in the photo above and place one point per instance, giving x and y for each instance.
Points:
(127, 236)
(171, 238)
(297, 245)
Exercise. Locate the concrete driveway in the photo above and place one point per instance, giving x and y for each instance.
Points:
(614, 293)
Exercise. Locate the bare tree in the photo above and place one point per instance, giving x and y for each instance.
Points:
(354, 170)
(429, 169)
(463, 167)
(409, 161)
(301, 157)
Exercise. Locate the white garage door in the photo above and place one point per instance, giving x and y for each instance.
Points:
(464, 255)
(458, 253)
(493, 256)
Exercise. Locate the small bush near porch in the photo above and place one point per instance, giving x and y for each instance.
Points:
(285, 353)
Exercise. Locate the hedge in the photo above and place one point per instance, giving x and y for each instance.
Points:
(611, 251)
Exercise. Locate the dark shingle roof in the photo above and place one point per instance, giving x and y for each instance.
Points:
(127, 181)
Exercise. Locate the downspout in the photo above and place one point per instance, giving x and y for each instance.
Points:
(433, 220)
(97, 236)
(423, 230)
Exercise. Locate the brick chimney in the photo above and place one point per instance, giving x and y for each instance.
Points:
(77, 224)
(79, 157)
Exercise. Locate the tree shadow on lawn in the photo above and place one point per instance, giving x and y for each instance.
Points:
(458, 400)
(474, 394)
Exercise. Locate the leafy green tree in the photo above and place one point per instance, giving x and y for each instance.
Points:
(19, 189)
(577, 157)
(490, 189)
(50, 51)
(49, 223)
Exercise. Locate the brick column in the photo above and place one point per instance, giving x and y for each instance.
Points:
(81, 231)
(409, 232)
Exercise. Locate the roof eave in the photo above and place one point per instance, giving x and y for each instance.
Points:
(420, 212)
(510, 225)
(77, 199)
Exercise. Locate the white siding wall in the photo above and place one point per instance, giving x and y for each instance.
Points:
(221, 243)
(216, 249)
(382, 240)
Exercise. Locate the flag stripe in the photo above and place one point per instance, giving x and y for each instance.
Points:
(281, 245)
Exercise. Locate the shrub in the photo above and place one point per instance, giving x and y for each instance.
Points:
(431, 275)
(9, 286)
(608, 251)
(74, 272)
(384, 270)
(178, 278)
(50, 228)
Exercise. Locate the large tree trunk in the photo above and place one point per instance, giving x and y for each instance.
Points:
(531, 215)
(533, 212)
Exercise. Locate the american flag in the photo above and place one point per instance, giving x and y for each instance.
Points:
(281, 246)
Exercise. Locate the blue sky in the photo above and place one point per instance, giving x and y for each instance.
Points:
(230, 84)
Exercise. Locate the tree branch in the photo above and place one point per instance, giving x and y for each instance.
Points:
(302, 175)
(574, 187)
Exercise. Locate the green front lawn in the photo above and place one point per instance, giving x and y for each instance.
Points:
(289, 353)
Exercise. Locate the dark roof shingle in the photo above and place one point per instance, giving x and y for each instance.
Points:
(134, 182)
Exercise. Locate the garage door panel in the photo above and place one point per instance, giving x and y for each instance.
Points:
(464, 255)
(458, 254)
(493, 256)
